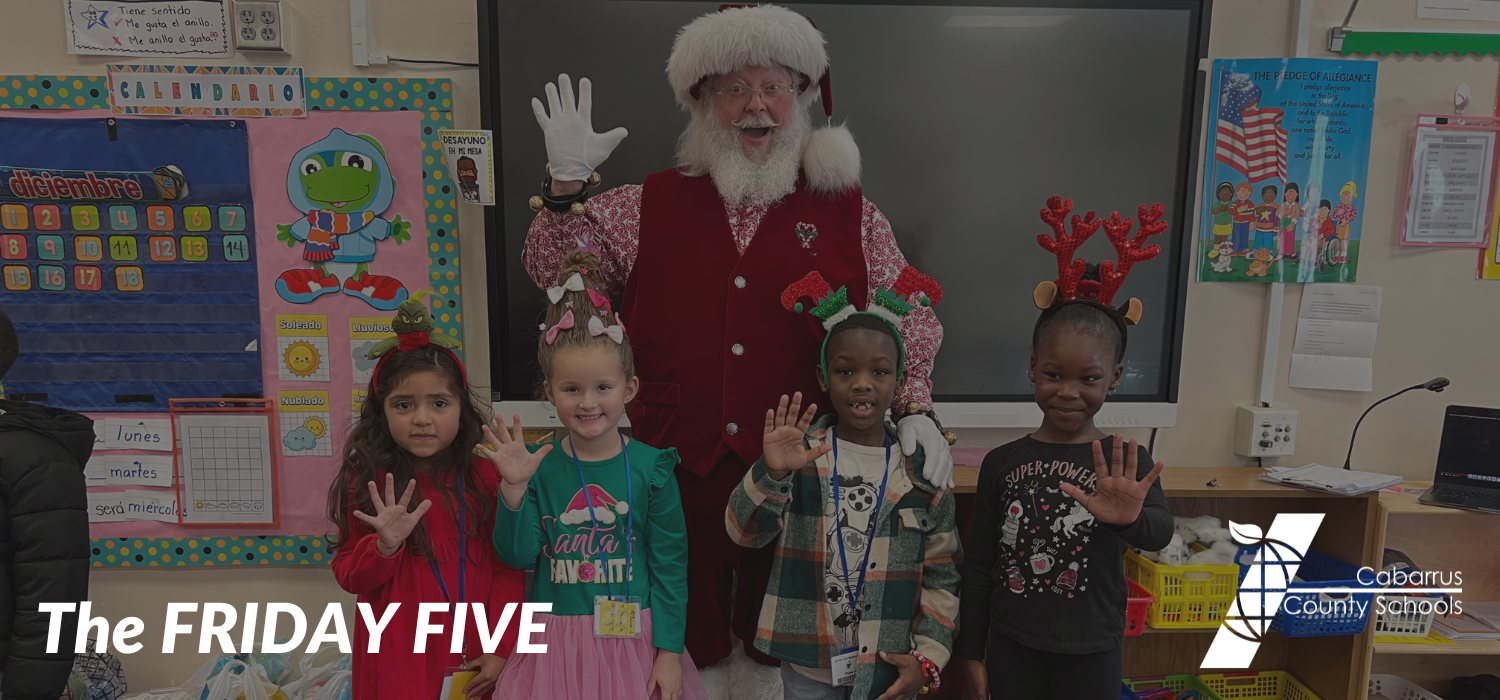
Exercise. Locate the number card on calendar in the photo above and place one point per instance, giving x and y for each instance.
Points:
(127, 259)
(226, 462)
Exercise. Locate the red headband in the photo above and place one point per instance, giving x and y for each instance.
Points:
(406, 342)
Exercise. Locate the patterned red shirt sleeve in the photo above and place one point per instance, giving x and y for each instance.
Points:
(922, 331)
(611, 222)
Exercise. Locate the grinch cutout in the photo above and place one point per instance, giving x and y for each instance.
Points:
(411, 317)
(341, 184)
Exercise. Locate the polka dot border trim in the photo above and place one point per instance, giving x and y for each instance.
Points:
(241, 550)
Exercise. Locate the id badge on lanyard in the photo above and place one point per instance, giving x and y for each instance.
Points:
(616, 616)
(454, 680)
(843, 666)
(843, 662)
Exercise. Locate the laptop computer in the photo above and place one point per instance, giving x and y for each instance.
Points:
(1468, 464)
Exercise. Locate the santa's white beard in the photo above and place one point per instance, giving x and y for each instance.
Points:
(707, 148)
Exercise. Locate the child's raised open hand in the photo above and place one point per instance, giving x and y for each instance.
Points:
(1117, 496)
(784, 451)
(391, 522)
(515, 463)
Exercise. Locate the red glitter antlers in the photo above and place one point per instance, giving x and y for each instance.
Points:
(1070, 284)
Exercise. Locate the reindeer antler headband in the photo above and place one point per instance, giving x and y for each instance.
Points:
(1070, 286)
(890, 305)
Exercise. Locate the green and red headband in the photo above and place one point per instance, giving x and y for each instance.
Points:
(890, 305)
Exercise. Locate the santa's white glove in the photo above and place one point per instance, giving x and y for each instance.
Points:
(574, 151)
(937, 467)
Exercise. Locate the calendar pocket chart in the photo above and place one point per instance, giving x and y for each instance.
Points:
(127, 259)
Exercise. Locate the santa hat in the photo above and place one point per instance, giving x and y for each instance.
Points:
(767, 35)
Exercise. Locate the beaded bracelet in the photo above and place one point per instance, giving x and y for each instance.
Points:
(930, 670)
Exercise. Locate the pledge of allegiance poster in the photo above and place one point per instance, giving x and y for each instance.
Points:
(1284, 193)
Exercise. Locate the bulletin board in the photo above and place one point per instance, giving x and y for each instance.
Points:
(318, 312)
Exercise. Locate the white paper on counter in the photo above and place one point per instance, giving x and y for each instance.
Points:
(1335, 345)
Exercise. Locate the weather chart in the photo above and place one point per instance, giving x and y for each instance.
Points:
(212, 283)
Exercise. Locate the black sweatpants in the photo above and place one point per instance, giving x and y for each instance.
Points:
(1019, 672)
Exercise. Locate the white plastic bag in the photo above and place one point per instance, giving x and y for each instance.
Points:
(340, 686)
(314, 675)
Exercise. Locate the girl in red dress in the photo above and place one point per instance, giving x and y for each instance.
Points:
(417, 428)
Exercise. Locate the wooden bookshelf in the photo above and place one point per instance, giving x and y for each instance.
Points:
(1440, 539)
(1335, 668)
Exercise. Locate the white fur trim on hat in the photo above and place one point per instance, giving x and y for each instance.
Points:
(831, 160)
(765, 35)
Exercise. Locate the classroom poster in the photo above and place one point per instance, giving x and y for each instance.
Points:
(1284, 189)
(339, 215)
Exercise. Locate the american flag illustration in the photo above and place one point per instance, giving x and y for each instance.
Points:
(1249, 137)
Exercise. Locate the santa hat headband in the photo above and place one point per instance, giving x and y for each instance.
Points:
(1072, 286)
(750, 35)
(891, 305)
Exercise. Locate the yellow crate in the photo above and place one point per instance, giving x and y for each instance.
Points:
(1257, 685)
(1186, 596)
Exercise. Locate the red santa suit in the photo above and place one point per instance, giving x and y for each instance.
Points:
(700, 282)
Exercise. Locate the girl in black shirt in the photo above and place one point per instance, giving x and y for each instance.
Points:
(1042, 615)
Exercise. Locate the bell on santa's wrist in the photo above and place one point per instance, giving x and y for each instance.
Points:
(535, 202)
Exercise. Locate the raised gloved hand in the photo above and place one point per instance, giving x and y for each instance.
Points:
(574, 151)
(921, 430)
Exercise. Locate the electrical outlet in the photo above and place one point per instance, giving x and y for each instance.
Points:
(259, 25)
(1264, 432)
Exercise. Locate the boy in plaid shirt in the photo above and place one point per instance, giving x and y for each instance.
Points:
(864, 587)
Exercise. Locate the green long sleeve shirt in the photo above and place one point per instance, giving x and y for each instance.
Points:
(575, 561)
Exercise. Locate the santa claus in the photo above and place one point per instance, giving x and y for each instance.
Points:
(699, 255)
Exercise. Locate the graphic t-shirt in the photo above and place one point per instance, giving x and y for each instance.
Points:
(861, 471)
(576, 561)
(1040, 569)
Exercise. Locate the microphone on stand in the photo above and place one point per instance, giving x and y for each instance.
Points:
(1433, 385)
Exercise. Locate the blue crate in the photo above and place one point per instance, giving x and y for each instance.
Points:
(1322, 571)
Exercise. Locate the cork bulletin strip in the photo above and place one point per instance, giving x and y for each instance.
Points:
(432, 100)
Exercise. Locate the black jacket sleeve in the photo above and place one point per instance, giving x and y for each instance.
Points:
(49, 541)
(1152, 529)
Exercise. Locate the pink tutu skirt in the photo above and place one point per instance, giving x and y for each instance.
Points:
(580, 666)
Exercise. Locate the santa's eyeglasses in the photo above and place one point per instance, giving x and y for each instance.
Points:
(738, 94)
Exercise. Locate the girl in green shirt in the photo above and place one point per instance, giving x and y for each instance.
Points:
(600, 516)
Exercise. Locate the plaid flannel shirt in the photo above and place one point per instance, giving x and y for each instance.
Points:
(910, 599)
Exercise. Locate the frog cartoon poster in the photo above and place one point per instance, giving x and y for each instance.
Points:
(341, 231)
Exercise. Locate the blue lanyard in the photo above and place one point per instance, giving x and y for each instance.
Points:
(854, 592)
(629, 512)
(462, 553)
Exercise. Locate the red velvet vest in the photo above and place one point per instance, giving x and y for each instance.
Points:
(714, 347)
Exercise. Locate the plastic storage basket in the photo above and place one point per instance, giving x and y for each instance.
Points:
(1396, 621)
(1136, 607)
(1176, 684)
(1397, 688)
(1186, 596)
(1338, 613)
(1257, 685)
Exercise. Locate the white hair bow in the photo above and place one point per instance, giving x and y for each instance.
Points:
(615, 332)
(574, 284)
